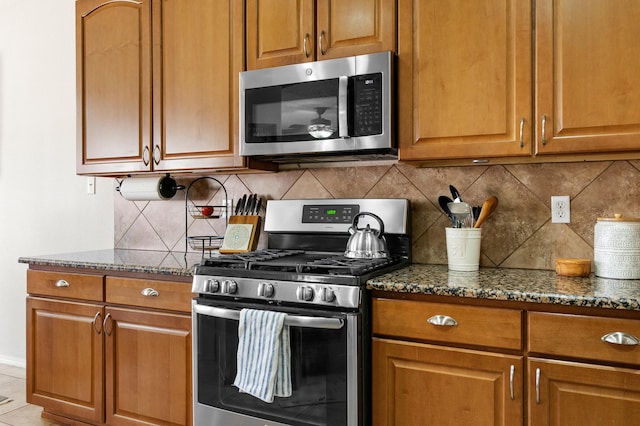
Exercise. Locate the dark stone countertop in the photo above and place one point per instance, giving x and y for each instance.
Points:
(521, 285)
(145, 261)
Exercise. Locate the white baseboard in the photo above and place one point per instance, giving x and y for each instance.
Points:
(14, 362)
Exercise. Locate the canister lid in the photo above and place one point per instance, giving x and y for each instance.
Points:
(618, 218)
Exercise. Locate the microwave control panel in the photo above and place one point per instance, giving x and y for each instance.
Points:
(367, 97)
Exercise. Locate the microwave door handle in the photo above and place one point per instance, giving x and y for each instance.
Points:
(343, 127)
(291, 320)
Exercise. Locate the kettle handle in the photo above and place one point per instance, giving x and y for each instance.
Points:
(354, 225)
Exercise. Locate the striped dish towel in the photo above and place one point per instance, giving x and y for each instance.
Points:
(264, 355)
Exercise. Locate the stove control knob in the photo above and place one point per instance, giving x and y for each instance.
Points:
(265, 290)
(327, 295)
(211, 286)
(304, 293)
(229, 287)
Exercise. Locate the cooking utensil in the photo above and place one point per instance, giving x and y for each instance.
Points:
(488, 207)
(455, 194)
(258, 205)
(239, 206)
(462, 215)
(251, 203)
(444, 201)
(366, 243)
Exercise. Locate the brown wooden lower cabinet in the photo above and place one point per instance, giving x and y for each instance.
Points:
(575, 366)
(65, 357)
(103, 363)
(571, 393)
(423, 385)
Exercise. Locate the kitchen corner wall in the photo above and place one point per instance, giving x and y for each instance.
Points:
(519, 234)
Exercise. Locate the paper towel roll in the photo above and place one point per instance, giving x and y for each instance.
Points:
(148, 188)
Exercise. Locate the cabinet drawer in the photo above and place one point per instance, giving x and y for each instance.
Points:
(500, 328)
(580, 336)
(173, 296)
(63, 284)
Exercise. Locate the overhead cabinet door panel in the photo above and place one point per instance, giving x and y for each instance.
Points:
(114, 85)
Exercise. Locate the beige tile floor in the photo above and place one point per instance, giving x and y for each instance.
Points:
(18, 412)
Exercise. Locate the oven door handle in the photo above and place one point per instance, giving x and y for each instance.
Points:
(292, 320)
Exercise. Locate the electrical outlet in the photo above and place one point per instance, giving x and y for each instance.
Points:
(227, 212)
(91, 185)
(560, 209)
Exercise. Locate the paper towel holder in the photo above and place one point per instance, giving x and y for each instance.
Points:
(167, 186)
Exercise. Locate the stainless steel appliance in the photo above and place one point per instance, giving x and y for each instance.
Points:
(338, 108)
(304, 274)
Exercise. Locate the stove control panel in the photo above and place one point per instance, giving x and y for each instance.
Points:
(327, 213)
(344, 296)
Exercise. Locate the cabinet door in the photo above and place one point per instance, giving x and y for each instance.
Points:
(198, 53)
(113, 63)
(64, 358)
(355, 27)
(280, 32)
(566, 393)
(148, 368)
(464, 79)
(424, 385)
(587, 67)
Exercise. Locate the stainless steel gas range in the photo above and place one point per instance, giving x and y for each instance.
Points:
(304, 274)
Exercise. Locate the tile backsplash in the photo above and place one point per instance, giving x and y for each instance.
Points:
(519, 234)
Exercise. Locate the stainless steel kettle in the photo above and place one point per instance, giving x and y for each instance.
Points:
(366, 243)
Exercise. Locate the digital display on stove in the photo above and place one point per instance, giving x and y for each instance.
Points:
(342, 213)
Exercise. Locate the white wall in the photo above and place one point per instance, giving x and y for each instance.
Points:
(44, 206)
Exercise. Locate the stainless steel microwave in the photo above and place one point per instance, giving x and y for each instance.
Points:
(337, 109)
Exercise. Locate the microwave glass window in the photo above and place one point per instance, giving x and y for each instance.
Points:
(292, 112)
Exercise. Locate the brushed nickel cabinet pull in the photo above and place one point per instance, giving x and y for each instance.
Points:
(62, 283)
(156, 155)
(620, 338)
(544, 124)
(150, 292)
(104, 325)
(443, 321)
(522, 132)
(320, 38)
(512, 372)
(304, 45)
(145, 156)
(96, 321)
(537, 386)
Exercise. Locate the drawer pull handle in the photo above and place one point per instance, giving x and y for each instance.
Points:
(62, 283)
(537, 386)
(442, 320)
(620, 338)
(150, 292)
(512, 372)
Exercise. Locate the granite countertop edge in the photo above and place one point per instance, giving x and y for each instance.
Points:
(520, 285)
(122, 260)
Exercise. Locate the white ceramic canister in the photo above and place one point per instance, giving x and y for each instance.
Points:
(616, 246)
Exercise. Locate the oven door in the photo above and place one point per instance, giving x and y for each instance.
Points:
(326, 369)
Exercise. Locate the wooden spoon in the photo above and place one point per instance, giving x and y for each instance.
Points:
(488, 207)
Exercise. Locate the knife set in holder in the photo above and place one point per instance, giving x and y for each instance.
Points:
(243, 228)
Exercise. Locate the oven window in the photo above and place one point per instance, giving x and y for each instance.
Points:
(318, 373)
(293, 112)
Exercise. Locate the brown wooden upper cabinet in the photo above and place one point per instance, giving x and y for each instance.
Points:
(466, 84)
(283, 32)
(464, 79)
(156, 85)
(587, 67)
